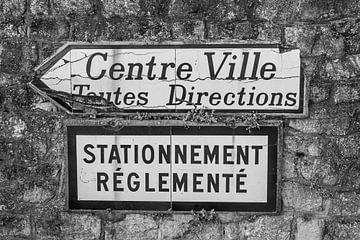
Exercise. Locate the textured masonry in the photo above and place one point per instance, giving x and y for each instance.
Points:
(320, 171)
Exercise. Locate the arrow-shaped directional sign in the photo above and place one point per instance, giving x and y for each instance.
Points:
(117, 78)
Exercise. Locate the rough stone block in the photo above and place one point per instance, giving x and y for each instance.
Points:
(349, 145)
(300, 198)
(12, 127)
(214, 11)
(313, 169)
(269, 32)
(40, 7)
(12, 226)
(346, 93)
(306, 10)
(332, 9)
(37, 195)
(133, 227)
(229, 217)
(319, 93)
(342, 230)
(80, 227)
(11, 57)
(11, 10)
(309, 229)
(315, 41)
(331, 121)
(277, 10)
(204, 231)
(288, 165)
(314, 70)
(343, 69)
(72, 7)
(346, 204)
(270, 228)
(120, 8)
(175, 226)
(199, 29)
(304, 144)
(184, 30)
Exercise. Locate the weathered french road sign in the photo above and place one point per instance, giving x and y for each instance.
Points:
(175, 78)
(169, 167)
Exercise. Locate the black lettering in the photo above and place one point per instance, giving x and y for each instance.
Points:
(197, 182)
(226, 98)
(194, 154)
(143, 100)
(214, 96)
(162, 182)
(200, 94)
(114, 154)
(102, 152)
(174, 98)
(180, 183)
(180, 154)
(213, 183)
(232, 68)
(151, 65)
(81, 88)
(290, 99)
(86, 150)
(264, 69)
(190, 99)
(241, 95)
(258, 99)
(102, 178)
(227, 154)
(117, 94)
(117, 181)
(133, 185)
(164, 154)
(136, 154)
(256, 148)
(164, 70)
(251, 97)
(242, 155)
(88, 66)
(227, 177)
(273, 97)
(240, 183)
(113, 70)
(244, 66)
(131, 70)
(129, 96)
(214, 75)
(150, 159)
(126, 152)
(102, 94)
(147, 182)
(255, 66)
(184, 67)
(211, 156)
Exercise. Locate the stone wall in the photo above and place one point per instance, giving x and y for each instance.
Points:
(320, 170)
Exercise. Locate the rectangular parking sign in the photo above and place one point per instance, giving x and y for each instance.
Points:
(172, 167)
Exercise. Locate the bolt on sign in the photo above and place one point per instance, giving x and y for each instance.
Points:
(170, 167)
(112, 78)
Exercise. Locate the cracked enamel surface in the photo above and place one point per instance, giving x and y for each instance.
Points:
(180, 78)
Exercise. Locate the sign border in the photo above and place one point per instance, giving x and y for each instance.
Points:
(40, 87)
(180, 207)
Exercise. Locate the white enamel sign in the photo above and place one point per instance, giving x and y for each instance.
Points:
(223, 77)
(161, 168)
